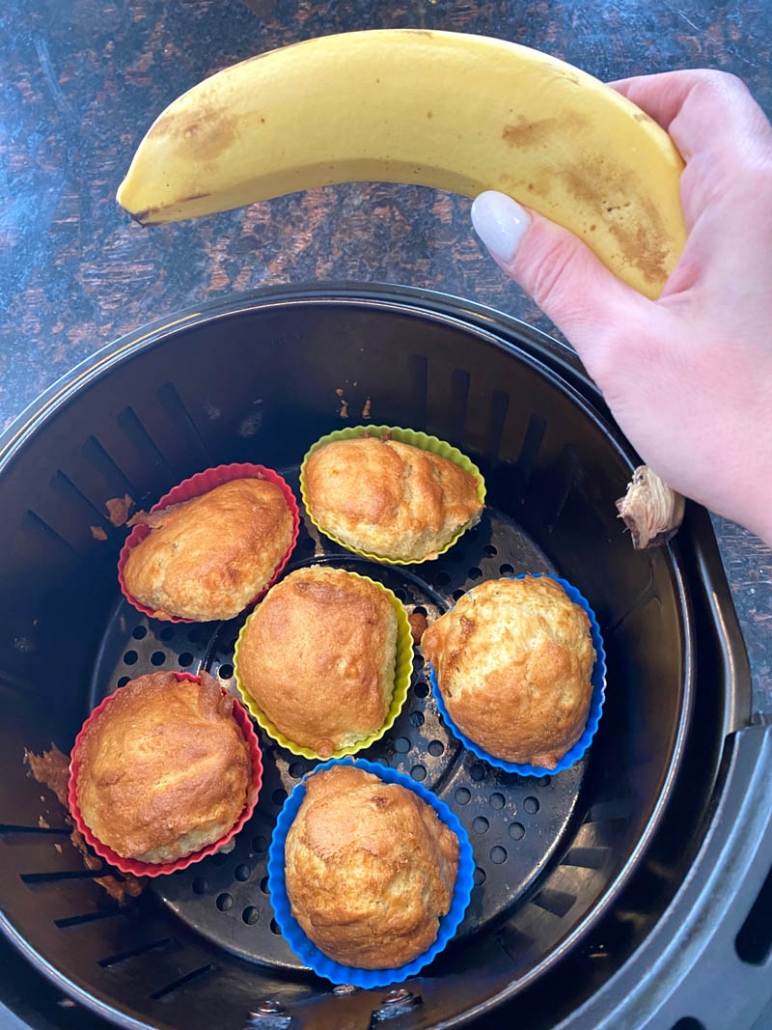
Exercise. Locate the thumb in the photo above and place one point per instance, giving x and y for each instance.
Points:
(568, 282)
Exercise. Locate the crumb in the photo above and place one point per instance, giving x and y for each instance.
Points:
(418, 626)
(52, 768)
(118, 509)
(43, 824)
(98, 533)
(366, 409)
(58, 847)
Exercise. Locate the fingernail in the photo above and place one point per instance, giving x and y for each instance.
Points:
(500, 223)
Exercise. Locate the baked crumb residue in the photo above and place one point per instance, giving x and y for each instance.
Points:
(52, 770)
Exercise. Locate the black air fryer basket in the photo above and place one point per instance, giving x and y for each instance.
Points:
(625, 892)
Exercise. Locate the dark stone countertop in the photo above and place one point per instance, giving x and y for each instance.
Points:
(83, 79)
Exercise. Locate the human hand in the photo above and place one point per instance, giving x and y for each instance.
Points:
(689, 376)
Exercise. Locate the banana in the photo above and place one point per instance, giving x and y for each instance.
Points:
(452, 111)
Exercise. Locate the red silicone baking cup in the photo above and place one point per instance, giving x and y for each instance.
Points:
(195, 486)
(130, 865)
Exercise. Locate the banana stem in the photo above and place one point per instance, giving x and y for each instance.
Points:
(651, 510)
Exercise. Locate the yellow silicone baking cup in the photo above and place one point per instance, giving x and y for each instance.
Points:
(402, 674)
(409, 436)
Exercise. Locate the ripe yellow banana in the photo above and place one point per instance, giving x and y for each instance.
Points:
(442, 109)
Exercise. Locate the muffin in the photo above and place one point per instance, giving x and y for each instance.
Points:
(370, 869)
(318, 657)
(163, 769)
(513, 660)
(208, 557)
(388, 499)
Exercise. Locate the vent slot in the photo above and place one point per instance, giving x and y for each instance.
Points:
(753, 943)
(142, 949)
(165, 992)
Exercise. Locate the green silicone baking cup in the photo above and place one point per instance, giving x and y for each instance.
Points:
(409, 436)
(402, 673)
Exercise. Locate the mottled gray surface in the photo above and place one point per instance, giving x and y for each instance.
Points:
(83, 79)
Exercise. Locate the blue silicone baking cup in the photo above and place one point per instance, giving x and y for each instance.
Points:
(598, 680)
(303, 947)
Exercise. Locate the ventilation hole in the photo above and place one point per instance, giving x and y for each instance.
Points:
(224, 902)
(477, 772)
(475, 573)
(139, 632)
(498, 855)
(531, 806)
(559, 903)
(436, 747)
(544, 781)
(166, 633)
(402, 745)
(169, 989)
(421, 689)
(508, 779)
(296, 770)
(250, 915)
(401, 595)
(418, 772)
(479, 877)
(754, 941)
(142, 949)
(219, 859)
(442, 579)
(498, 801)
(688, 1023)
(481, 824)
(158, 657)
(516, 831)
(418, 610)
(490, 551)
(506, 570)
(275, 928)
(458, 594)
(185, 659)
(416, 719)
(225, 672)
(130, 658)
(243, 872)
(124, 680)
(264, 885)
(200, 885)
(463, 796)
(279, 796)
(260, 843)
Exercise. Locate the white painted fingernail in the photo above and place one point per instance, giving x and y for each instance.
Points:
(500, 223)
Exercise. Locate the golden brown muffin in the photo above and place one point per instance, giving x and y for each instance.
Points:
(319, 658)
(164, 768)
(207, 558)
(513, 661)
(370, 869)
(389, 499)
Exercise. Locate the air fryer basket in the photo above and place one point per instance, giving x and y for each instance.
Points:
(574, 873)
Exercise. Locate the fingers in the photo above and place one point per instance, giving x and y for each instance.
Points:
(573, 288)
(705, 112)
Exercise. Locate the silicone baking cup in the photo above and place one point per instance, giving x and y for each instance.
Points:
(130, 865)
(197, 485)
(597, 699)
(402, 673)
(304, 948)
(408, 436)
